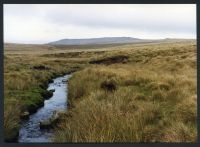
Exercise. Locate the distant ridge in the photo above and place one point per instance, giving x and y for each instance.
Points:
(93, 41)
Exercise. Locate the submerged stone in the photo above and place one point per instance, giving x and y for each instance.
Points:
(51, 122)
(52, 90)
(64, 80)
(25, 115)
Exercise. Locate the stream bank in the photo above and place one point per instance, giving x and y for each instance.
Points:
(30, 129)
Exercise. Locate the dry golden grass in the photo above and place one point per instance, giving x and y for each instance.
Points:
(154, 98)
(150, 97)
(24, 85)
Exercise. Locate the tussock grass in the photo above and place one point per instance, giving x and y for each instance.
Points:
(11, 119)
(148, 95)
(155, 100)
(25, 81)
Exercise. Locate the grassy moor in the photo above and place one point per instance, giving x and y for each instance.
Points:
(131, 92)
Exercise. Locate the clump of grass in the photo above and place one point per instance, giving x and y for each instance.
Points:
(186, 111)
(140, 96)
(179, 132)
(109, 85)
(158, 95)
(11, 120)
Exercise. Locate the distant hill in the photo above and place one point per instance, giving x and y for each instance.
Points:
(93, 41)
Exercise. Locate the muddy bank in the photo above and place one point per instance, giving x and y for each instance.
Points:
(111, 60)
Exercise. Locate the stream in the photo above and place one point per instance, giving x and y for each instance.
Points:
(30, 129)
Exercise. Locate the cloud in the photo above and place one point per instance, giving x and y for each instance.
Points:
(42, 23)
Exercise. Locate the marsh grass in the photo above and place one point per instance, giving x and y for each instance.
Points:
(26, 78)
(11, 124)
(153, 101)
(148, 96)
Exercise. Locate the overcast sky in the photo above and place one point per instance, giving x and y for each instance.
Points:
(42, 23)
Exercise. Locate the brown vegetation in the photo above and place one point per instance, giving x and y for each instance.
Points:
(130, 93)
(151, 98)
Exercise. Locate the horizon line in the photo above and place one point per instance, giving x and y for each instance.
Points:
(12, 42)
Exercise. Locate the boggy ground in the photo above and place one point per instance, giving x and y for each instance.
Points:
(26, 77)
(151, 96)
(125, 93)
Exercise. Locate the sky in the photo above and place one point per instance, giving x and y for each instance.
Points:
(43, 23)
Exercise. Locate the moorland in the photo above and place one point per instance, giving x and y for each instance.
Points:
(130, 92)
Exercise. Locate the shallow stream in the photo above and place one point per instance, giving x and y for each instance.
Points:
(30, 129)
